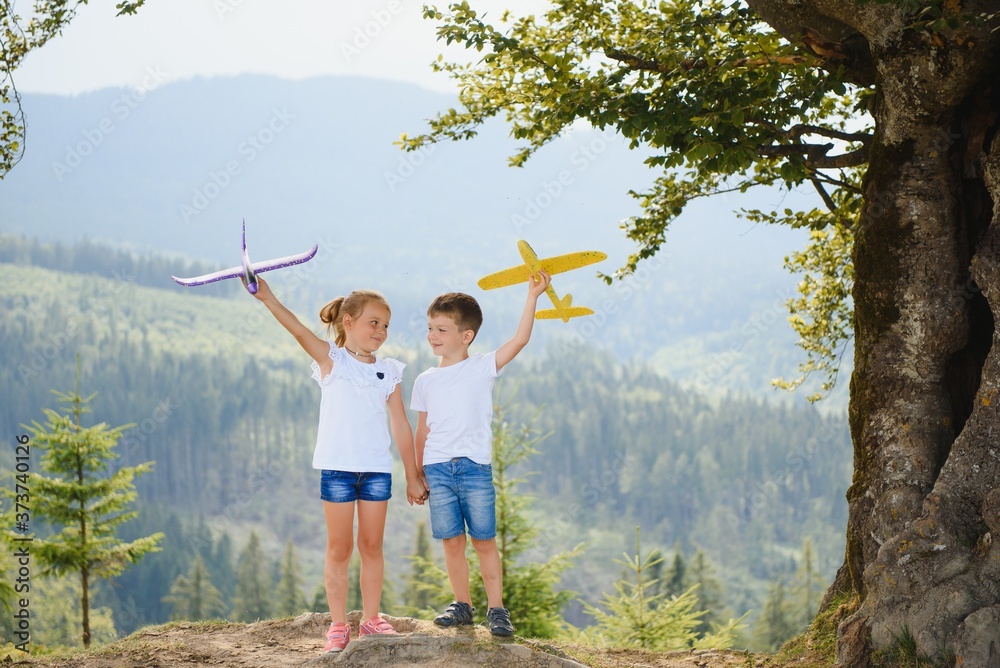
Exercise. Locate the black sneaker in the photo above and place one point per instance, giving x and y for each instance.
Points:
(456, 614)
(499, 621)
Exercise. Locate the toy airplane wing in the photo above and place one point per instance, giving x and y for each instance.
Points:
(563, 314)
(281, 262)
(552, 265)
(233, 272)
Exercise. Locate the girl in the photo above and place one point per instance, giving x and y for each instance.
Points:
(352, 446)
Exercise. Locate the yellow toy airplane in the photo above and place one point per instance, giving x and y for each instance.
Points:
(552, 265)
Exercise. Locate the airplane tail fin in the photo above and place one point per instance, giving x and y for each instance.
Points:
(564, 312)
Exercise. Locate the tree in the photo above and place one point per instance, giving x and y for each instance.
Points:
(807, 588)
(529, 588)
(19, 38)
(774, 626)
(851, 98)
(676, 580)
(194, 596)
(291, 600)
(253, 586)
(84, 499)
(708, 592)
(417, 595)
(636, 617)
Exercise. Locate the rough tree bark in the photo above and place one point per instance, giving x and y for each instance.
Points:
(925, 392)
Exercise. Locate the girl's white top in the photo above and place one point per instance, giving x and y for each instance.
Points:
(353, 432)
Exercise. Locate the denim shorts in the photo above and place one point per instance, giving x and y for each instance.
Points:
(348, 486)
(462, 495)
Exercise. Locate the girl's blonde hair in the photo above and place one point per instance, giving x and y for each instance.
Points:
(332, 315)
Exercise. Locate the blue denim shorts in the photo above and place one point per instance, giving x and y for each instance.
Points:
(348, 486)
(462, 495)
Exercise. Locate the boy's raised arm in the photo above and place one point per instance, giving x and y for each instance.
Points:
(508, 351)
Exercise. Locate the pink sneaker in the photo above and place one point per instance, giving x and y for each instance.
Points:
(376, 626)
(337, 637)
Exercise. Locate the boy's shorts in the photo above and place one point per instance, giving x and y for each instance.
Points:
(462, 494)
(348, 486)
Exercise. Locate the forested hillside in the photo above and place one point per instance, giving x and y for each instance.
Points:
(223, 403)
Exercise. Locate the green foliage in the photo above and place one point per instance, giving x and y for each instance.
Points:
(637, 617)
(84, 499)
(903, 653)
(716, 100)
(418, 593)
(253, 586)
(290, 599)
(775, 626)
(194, 597)
(56, 613)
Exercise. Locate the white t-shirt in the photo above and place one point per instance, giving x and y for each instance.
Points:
(458, 400)
(353, 433)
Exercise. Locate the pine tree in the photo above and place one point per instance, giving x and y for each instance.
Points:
(87, 502)
(253, 586)
(529, 589)
(194, 596)
(774, 626)
(418, 597)
(709, 593)
(676, 576)
(291, 600)
(636, 617)
(807, 588)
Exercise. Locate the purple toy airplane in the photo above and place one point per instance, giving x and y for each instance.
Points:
(248, 272)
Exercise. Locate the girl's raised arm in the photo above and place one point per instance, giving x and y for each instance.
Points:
(317, 348)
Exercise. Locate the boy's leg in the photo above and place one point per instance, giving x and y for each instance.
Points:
(371, 529)
(491, 570)
(339, 545)
(458, 568)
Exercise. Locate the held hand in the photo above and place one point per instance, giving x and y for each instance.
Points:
(263, 291)
(538, 284)
(416, 492)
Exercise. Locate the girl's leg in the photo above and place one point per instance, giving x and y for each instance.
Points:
(339, 545)
(371, 529)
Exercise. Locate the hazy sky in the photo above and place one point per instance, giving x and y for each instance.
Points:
(180, 39)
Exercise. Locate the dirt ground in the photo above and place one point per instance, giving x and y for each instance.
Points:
(299, 642)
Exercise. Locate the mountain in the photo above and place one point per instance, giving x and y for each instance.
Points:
(176, 168)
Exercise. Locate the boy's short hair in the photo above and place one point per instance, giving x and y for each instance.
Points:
(460, 307)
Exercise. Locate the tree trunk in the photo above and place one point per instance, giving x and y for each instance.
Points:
(925, 392)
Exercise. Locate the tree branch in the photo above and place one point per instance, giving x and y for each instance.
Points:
(816, 155)
(639, 63)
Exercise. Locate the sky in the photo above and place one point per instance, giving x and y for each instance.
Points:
(181, 39)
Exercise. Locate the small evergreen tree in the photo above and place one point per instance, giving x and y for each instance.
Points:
(194, 596)
(253, 586)
(676, 581)
(774, 626)
(291, 600)
(709, 593)
(418, 596)
(529, 589)
(807, 589)
(636, 617)
(81, 497)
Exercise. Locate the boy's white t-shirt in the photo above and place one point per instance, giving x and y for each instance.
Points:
(353, 434)
(458, 400)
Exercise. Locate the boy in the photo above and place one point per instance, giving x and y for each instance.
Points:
(454, 444)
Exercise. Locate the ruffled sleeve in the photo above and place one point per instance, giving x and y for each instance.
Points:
(394, 374)
(335, 356)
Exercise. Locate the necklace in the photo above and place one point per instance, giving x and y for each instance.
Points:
(358, 354)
